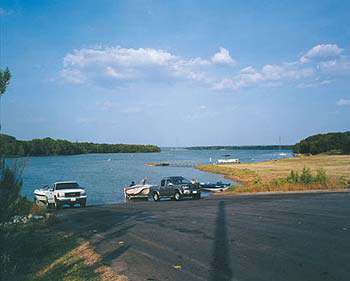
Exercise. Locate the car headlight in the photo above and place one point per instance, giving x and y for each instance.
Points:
(60, 194)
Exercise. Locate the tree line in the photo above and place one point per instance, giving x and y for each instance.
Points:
(10, 146)
(241, 147)
(333, 143)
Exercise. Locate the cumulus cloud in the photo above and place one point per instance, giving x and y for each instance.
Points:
(269, 74)
(321, 52)
(222, 57)
(116, 64)
(343, 102)
(109, 67)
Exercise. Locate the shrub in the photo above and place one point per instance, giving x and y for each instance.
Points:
(305, 176)
(321, 176)
(293, 177)
(257, 181)
(10, 186)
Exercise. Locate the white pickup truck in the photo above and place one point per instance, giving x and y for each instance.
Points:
(61, 193)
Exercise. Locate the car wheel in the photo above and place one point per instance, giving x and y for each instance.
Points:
(177, 196)
(156, 196)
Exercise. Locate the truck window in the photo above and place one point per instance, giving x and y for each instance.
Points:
(162, 183)
(66, 185)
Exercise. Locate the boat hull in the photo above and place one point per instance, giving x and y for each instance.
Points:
(137, 191)
(214, 189)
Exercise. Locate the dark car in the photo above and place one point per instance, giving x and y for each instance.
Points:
(176, 188)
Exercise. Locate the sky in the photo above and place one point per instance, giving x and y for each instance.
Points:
(176, 73)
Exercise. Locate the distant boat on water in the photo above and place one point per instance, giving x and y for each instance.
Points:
(159, 164)
(229, 161)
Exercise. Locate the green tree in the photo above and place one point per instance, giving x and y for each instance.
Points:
(5, 76)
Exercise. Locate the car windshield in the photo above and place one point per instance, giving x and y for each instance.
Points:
(179, 180)
(67, 185)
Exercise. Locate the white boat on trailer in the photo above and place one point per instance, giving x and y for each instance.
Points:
(214, 187)
(137, 191)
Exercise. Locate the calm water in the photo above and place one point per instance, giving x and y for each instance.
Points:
(104, 175)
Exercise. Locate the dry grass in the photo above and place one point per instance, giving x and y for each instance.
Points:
(262, 176)
(84, 261)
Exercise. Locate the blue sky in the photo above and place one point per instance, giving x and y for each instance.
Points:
(176, 73)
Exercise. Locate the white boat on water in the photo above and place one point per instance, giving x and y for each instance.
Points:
(229, 161)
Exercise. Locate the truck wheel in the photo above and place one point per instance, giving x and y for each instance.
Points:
(82, 204)
(197, 196)
(155, 196)
(57, 205)
(177, 196)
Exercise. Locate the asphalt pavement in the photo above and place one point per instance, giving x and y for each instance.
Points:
(255, 237)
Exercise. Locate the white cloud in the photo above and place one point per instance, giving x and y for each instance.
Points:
(321, 52)
(343, 102)
(107, 105)
(72, 75)
(337, 66)
(110, 67)
(268, 75)
(222, 57)
(103, 66)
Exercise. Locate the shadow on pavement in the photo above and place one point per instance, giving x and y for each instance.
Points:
(220, 265)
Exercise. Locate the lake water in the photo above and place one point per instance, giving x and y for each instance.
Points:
(105, 175)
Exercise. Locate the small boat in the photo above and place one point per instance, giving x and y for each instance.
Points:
(137, 191)
(159, 164)
(214, 187)
(229, 161)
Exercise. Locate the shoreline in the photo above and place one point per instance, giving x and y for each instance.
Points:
(326, 172)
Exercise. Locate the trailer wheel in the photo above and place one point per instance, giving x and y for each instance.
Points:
(156, 196)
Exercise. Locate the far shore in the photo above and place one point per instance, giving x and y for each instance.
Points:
(274, 175)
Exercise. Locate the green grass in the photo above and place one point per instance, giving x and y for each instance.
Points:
(26, 249)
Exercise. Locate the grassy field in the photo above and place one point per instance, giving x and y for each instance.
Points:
(275, 175)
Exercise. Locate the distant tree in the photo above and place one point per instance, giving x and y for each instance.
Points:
(48, 146)
(5, 76)
(324, 143)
